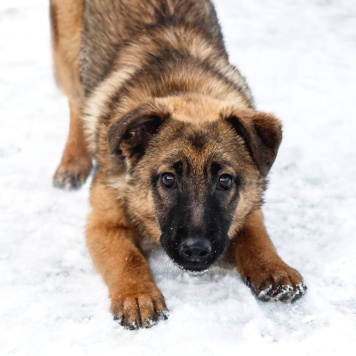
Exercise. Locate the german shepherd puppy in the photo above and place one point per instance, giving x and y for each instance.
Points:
(182, 154)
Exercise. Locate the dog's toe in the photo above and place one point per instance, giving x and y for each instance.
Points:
(141, 311)
(284, 293)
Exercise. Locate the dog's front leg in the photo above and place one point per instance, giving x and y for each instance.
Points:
(261, 268)
(135, 299)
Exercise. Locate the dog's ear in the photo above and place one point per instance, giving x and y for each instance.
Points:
(130, 135)
(262, 134)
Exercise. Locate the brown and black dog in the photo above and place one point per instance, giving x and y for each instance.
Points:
(182, 154)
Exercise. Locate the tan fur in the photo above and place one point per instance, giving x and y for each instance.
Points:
(66, 18)
(257, 259)
(154, 88)
(121, 262)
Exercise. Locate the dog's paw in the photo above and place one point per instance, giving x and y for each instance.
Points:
(280, 283)
(72, 175)
(139, 311)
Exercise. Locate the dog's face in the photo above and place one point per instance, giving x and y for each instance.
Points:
(201, 178)
(196, 190)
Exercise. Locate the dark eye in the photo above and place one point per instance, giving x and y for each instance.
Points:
(225, 182)
(168, 180)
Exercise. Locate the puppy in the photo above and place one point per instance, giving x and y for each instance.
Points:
(182, 153)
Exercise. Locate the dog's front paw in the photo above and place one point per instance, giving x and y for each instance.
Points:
(277, 283)
(139, 310)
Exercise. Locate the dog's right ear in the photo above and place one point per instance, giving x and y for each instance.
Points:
(129, 136)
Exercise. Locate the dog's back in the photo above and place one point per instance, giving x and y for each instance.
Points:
(107, 24)
(155, 45)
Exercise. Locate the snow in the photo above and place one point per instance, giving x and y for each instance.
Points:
(300, 61)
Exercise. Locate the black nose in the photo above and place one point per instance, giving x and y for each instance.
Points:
(195, 249)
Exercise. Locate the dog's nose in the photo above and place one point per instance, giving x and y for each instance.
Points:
(195, 249)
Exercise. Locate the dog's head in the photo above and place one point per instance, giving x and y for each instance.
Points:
(196, 167)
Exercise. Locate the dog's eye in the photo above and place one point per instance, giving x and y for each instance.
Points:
(225, 182)
(168, 180)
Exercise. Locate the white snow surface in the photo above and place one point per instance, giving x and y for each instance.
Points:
(300, 60)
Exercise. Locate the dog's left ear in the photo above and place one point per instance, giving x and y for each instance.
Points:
(262, 134)
(130, 134)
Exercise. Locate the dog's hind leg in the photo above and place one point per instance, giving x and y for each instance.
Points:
(66, 22)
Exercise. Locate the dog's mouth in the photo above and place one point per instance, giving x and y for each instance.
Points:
(194, 273)
(193, 269)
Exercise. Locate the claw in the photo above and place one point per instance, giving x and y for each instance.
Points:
(300, 291)
(248, 282)
(263, 295)
(163, 315)
(131, 326)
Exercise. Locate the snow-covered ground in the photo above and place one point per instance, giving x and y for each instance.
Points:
(300, 61)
